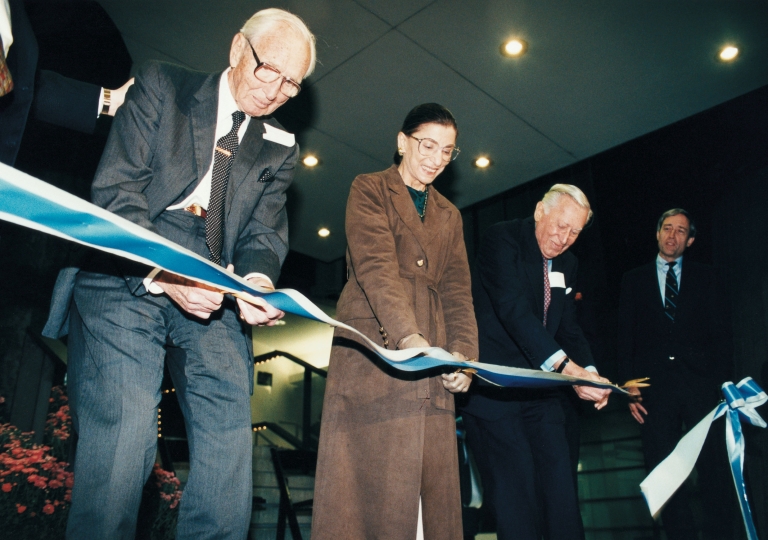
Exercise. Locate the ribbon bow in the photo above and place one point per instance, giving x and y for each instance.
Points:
(740, 403)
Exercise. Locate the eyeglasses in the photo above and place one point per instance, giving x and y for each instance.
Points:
(269, 74)
(429, 147)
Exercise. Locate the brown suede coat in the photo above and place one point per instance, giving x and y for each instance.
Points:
(388, 438)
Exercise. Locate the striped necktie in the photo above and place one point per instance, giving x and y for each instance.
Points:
(226, 149)
(670, 292)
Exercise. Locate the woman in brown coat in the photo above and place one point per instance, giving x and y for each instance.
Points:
(388, 439)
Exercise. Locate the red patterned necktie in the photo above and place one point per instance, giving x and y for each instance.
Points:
(6, 82)
(547, 290)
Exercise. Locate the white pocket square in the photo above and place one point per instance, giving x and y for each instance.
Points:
(568, 290)
(279, 136)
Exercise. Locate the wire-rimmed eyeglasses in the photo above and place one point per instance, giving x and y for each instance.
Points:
(429, 147)
(269, 74)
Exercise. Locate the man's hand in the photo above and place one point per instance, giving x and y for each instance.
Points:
(588, 393)
(191, 296)
(634, 405)
(257, 311)
(118, 97)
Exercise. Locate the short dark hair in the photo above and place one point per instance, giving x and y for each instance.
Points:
(678, 212)
(426, 113)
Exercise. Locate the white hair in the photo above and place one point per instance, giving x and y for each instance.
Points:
(265, 20)
(556, 192)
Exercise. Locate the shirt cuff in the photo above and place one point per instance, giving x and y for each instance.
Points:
(150, 285)
(260, 275)
(593, 369)
(549, 363)
(100, 103)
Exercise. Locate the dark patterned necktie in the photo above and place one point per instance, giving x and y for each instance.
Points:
(547, 291)
(226, 148)
(670, 292)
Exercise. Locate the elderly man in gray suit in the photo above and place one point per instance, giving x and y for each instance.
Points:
(184, 161)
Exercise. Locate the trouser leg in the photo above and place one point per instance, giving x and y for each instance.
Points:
(209, 365)
(545, 429)
(114, 377)
(660, 433)
(507, 471)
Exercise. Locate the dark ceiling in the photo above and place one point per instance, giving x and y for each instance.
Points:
(596, 74)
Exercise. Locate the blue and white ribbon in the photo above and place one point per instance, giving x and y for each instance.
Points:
(32, 203)
(740, 403)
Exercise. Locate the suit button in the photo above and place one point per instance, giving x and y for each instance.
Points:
(671, 357)
(420, 262)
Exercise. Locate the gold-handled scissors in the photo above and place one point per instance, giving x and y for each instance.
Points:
(636, 383)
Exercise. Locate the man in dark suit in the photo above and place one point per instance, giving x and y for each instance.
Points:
(674, 328)
(523, 291)
(184, 161)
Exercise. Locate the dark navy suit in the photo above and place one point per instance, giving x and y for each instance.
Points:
(519, 436)
(160, 146)
(686, 360)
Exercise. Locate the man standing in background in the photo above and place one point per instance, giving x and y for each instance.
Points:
(674, 327)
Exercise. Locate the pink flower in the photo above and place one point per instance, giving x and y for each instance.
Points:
(55, 484)
(7, 487)
(48, 509)
(20, 508)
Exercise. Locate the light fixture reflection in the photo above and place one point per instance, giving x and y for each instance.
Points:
(514, 47)
(482, 162)
(323, 233)
(310, 161)
(728, 53)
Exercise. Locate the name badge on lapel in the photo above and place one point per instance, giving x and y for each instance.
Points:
(556, 279)
(279, 136)
(266, 176)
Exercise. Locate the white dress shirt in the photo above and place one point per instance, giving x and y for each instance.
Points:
(5, 26)
(202, 193)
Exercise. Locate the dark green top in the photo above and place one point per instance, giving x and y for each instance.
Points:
(419, 199)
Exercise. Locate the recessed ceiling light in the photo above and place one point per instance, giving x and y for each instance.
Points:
(514, 47)
(728, 53)
(482, 162)
(310, 161)
(322, 233)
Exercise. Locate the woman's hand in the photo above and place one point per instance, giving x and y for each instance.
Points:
(459, 381)
(411, 341)
(456, 382)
